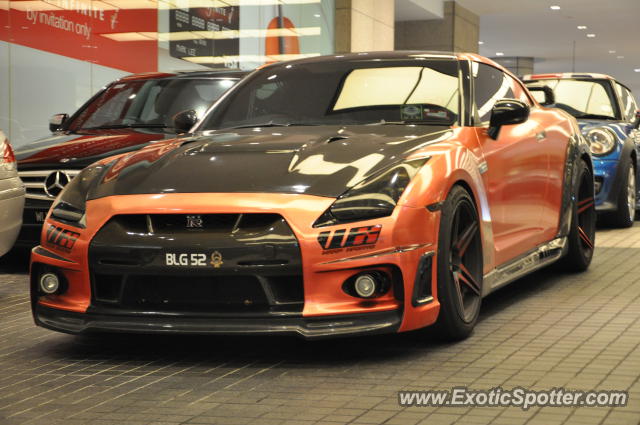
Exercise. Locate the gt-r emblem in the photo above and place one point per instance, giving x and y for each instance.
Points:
(216, 259)
(194, 222)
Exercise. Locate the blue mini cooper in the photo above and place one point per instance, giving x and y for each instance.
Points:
(609, 118)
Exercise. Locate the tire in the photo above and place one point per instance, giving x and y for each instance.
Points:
(625, 212)
(582, 233)
(459, 266)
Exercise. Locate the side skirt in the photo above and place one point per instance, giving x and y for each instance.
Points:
(539, 257)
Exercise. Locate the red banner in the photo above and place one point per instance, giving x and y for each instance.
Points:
(80, 29)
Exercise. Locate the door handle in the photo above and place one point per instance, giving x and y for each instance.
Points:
(541, 136)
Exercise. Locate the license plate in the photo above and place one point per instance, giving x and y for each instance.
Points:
(185, 260)
(39, 216)
(177, 259)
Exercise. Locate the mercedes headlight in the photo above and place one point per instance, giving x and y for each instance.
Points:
(376, 196)
(602, 141)
(70, 206)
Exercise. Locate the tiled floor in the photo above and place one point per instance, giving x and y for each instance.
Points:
(548, 330)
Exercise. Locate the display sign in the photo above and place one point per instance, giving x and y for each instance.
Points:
(186, 23)
(79, 29)
(253, 34)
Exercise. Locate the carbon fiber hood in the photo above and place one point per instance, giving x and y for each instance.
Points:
(322, 160)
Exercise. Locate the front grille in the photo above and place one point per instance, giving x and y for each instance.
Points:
(197, 294)
(247, 263)
(187, 293)
(189, 223)
(34, 182)
(180, 293)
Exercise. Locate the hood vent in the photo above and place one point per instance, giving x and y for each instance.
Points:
(335, 138)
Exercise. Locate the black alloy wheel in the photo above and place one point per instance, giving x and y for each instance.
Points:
(586, 211)
(582, 234)
(459, 266)
(625, 212)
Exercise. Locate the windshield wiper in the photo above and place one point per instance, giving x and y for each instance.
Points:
(266, 124)
(116, 126)
(421, 122)
(273, 124)
(595, 117)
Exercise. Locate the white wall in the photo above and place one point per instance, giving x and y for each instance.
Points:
(40, 84)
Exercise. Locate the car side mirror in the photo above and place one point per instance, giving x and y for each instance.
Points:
(184, 121)
(636, 123)
(543, 94)
(507, 112)
(56, 122)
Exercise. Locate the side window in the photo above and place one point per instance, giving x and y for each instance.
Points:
(629, 105)
(490, 85)
(255, 103)
(519, 92)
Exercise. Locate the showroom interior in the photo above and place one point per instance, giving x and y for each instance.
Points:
(319, 212)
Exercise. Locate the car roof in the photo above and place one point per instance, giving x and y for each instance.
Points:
(572, 75)
(567, 75)
(227, 73)
(397, 55)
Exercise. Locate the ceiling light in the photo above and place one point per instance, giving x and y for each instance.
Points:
(499, 54)
(620, 57)
(555, 7)
(612, 51)
(481, 42)
(582, 27)
(591, 35)
(636, 70)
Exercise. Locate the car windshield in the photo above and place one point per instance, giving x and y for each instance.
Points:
(342, 93)
(149, 103)
(587, 98)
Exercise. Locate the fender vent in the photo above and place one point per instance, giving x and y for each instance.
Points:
(422, 286)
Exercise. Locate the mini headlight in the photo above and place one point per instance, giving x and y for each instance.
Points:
(375, 197)
(70, 205)
(601, 141)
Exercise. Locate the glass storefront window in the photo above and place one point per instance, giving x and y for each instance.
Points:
(54, 54)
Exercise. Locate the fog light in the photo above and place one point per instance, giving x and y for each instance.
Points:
(49, 283)
(366, 285)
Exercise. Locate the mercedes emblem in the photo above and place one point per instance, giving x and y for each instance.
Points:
(55, 182)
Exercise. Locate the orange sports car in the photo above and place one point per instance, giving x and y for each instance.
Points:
(350, 194)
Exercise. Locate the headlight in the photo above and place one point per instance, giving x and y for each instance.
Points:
(601, 140)
(70, 206)
(377, 196)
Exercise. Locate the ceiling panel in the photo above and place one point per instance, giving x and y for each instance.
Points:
(531, 28)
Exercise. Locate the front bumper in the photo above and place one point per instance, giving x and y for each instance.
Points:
(307, 327)
(11, 204)
(118, 278)
(609, 179)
